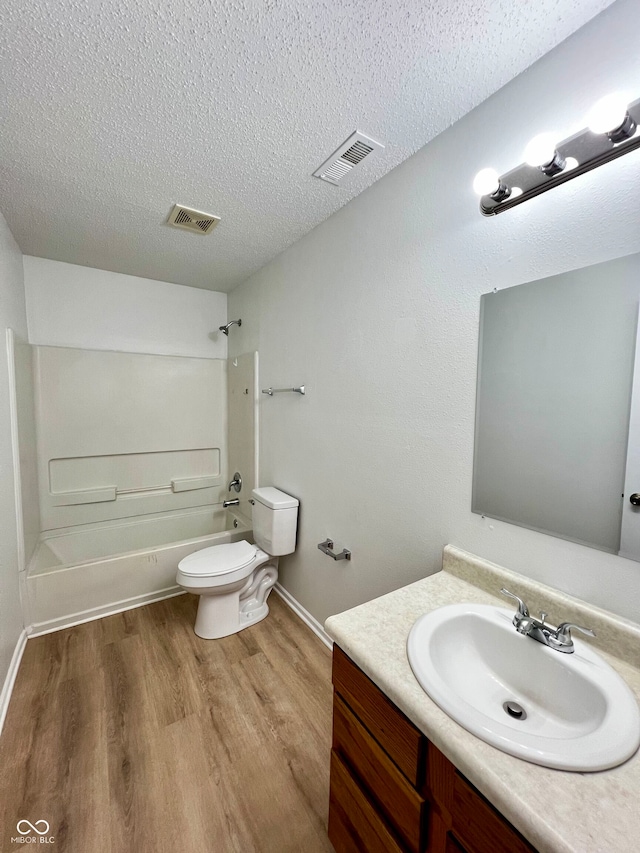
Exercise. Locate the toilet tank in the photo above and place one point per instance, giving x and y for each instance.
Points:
(275, 520)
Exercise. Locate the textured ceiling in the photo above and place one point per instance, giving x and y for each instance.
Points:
(115, 109)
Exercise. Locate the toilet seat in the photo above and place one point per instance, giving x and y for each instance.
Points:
(218, 560)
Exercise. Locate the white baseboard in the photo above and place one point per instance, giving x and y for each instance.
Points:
(303, 614)
(40, 628)
(10, 680)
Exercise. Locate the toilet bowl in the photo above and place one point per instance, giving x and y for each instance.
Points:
(234, 580)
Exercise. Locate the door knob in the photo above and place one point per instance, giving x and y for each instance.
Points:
(635, 499)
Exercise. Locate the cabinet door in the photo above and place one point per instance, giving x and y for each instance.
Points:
(452, 845)
(480, 827)
(463, 816)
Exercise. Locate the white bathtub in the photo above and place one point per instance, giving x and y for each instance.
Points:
(73, 573)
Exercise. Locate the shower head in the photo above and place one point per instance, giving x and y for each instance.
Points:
(225, 329)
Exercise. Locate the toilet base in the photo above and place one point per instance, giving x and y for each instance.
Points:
(224, 614)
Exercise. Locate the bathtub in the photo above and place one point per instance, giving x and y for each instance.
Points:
(73, 573)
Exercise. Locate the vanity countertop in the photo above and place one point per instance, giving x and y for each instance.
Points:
(557, 811)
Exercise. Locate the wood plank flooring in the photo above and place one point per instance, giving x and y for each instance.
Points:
(131, 733)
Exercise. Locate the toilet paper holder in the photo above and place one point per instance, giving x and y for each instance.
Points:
(327, 548)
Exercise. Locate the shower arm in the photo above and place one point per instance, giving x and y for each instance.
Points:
(225, 329)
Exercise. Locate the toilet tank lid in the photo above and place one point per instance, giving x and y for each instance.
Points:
(274, 498)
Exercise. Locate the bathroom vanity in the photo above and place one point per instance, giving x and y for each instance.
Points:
(392, 790)
(406, 777)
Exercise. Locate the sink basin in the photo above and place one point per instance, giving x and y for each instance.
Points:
(568, 711)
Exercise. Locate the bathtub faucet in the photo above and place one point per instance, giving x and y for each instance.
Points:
(234, 502)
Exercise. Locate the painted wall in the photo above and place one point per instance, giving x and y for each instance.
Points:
(75, 306)
(377, 311)
(12, 315)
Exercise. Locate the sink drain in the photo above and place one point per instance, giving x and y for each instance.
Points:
(515, 710)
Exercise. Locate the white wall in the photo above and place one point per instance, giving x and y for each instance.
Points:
(377, 310)
(12, 315)
(76, 306)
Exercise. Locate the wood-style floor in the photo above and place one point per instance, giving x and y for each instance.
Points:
(132, 734)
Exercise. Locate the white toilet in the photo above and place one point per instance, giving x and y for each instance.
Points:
(234, 580)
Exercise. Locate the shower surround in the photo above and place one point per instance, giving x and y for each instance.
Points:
(132, 467)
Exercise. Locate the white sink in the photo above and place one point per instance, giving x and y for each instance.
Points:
(579, 713)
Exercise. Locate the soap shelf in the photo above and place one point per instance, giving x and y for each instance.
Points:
(111, 493)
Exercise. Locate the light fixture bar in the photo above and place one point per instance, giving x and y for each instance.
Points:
(585, 148)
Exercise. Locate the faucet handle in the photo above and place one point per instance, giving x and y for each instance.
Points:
(563, 632)
(236, 483)
(523, 610)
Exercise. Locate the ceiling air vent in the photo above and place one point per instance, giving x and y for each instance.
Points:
(192, 220)
(350, 154)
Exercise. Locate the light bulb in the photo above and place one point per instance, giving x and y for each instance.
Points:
(541, 150)
(608, 114)
(486, 182)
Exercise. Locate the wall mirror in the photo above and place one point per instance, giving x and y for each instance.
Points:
(557, 438)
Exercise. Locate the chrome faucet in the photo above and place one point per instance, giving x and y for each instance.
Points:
(558, 638)
(234, 502)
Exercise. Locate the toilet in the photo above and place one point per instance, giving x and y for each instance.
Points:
(234, 580)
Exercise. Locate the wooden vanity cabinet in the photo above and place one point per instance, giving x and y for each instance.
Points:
(392, 791)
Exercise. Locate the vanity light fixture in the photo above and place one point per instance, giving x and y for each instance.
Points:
(611, 132)
(611, 116)
(487, 182)
(542, 153)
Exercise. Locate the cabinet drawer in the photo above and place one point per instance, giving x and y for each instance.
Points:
(479, 826)
(405, 744)
(400, 803)
(354, 825)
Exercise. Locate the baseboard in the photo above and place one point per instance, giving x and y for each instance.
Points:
(303, 614)
(40, 628)
(10, 680)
